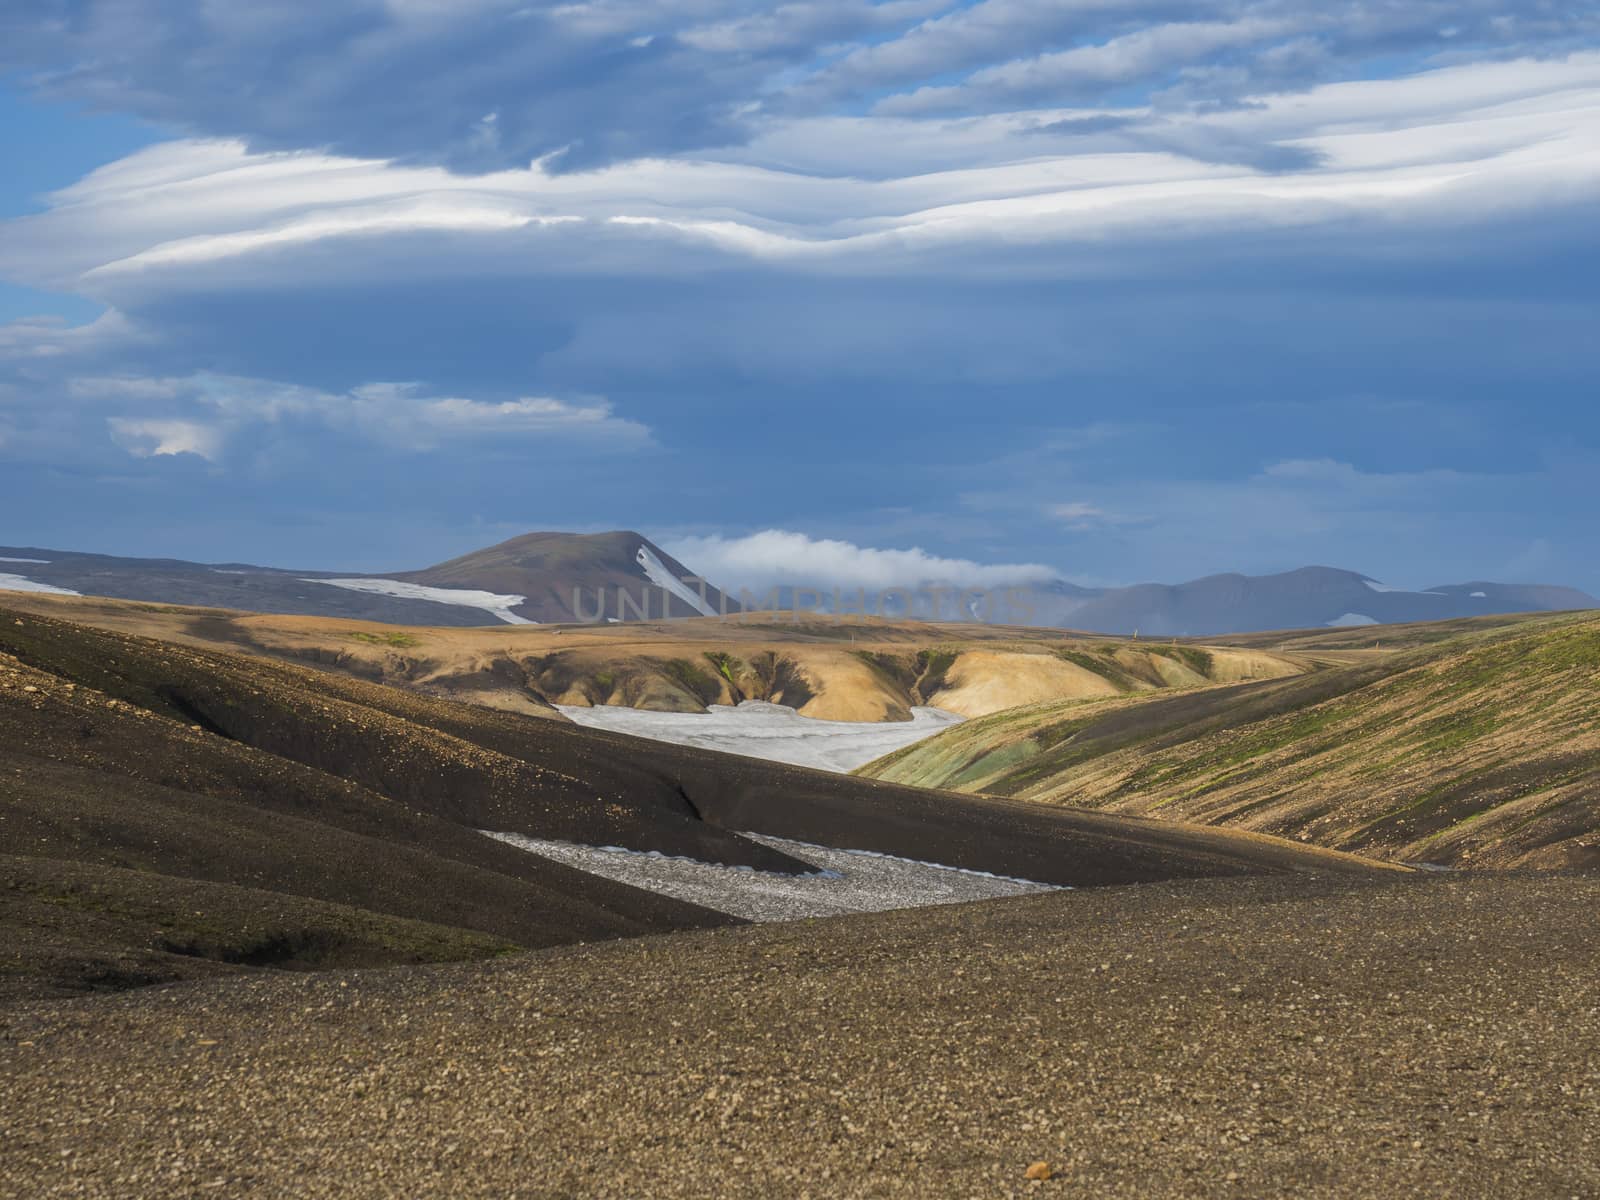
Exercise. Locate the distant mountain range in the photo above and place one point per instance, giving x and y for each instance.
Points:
(553, 578)
(1300, 599)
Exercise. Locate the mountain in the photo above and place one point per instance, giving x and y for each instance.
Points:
(1309, 597)
(539, 577)
(567, 576)
(559, 578)
(1473, 744)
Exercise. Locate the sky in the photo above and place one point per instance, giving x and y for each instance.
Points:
(1115, 290)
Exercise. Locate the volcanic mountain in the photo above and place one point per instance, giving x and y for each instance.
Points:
(578, 576)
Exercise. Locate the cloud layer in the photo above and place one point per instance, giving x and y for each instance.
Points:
(487, 84)
(1458, 145)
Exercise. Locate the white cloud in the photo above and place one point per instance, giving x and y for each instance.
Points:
(152, 438)
(782, 558)
(1086, 69)
(1349, 482)
(491, 84)
(456, 416)
(1082, 516)
(204, 414)
(1474, 142)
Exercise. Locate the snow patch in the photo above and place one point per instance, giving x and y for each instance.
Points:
(1480, 595)
(21, 583)
(656, 571)
(1349, 620)
(774, 732)
(489, 602)
(1383, 587)
(40, 561)
(846, 881)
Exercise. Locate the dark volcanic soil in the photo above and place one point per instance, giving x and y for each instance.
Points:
(236, 780)
(1415, 1036)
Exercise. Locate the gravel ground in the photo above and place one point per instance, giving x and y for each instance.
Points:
(847, 881)
(774, 732)
(1429, 1036)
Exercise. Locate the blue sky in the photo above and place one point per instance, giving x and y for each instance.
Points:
(1123, 289)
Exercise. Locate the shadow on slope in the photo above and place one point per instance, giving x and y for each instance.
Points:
(123, 753)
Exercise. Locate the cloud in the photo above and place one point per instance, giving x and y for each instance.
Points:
(1081, 516)
(478, 85)
(782, 558)
(1084, 72)
(485, 85)
(1002, 53)
(217, 416)
(1469, 144)
(529, 413)
(154, 438)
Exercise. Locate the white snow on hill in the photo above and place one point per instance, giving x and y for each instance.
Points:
(1352, 619)
(657, 572)
(774, 732)
(40, 561)
(1383, 587)
(497, 606)
(21, 583)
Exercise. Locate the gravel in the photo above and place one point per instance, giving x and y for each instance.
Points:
(1429, 1036)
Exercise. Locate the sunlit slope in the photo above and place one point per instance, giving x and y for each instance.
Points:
(1483, 749)
(846, 670)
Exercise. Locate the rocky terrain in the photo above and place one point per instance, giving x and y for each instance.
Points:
(1426, 1037)
(255, 943)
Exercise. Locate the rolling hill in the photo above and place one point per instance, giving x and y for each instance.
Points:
(852, 669)
(168, 810)
(1476, 744)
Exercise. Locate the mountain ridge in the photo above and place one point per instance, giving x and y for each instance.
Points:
(551, 577)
